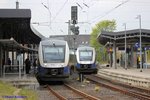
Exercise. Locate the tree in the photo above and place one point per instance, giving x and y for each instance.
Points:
(105, 25)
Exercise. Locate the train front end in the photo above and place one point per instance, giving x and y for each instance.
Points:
(86, 60)
(53, 60)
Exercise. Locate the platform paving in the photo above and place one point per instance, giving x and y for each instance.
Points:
(132, 76)
(30, 78)
(19, 77)
(131, 71)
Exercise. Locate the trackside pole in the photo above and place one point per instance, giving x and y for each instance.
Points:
(81, 77)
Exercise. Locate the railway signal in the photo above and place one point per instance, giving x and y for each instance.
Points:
(75, 29)
(74, 16)
(74, 20)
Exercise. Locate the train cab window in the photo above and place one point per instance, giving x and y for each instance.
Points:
(85, 55)
(53, 54)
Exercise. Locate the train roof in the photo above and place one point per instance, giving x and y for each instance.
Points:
(53, 41)
(85, 47)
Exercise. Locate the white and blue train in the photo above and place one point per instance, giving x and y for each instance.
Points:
(86, 60)
(53, 60)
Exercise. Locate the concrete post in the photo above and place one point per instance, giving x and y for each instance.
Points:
(12, 56)
(1, 61)
(132, 59)
(110, 54)
(114, 54)
(69, 24)
(24, 67)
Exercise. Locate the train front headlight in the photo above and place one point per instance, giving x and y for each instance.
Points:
(45, 65)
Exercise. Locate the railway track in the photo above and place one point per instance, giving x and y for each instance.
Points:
(123, 88)
(66, 92)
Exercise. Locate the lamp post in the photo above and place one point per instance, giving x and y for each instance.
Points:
(49, 12)
(125, 47)
(139, 17)
(86, 20)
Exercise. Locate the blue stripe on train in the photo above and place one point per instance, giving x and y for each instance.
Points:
(78, 65)
(66, 70)
(92, 65)
(43, 70)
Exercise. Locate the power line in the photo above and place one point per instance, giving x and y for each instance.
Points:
(48, 8)
(60, 10)
(86, 5)
(99, 17)
(52, 29)
(79, 5)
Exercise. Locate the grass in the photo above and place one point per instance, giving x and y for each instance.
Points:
(6, 89)
(28, 94)
(7, 93)
(103, 62)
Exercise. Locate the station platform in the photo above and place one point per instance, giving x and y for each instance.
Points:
(26, 81)
(16, 76)
(10, 78)
(20, 79)
(131, 76)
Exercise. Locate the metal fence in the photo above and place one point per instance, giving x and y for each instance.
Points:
(13, 70)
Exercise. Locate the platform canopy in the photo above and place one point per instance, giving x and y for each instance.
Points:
(16, 31)
(132, 36)
(10, 44)
(15, 23)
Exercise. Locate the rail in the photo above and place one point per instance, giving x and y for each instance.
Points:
(123, 89)
(76, 91)
(82, 93)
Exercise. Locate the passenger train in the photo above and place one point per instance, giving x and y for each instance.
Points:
(85, 56)
(53, 60)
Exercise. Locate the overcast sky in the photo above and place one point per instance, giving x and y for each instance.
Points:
(53, 21)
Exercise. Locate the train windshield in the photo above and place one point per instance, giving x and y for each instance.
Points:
(85, 55)
(53, 54)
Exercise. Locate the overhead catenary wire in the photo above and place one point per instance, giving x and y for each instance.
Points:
(60, 10)
(79, 5)
(95, 2)
(86, 5)
(101, 16)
